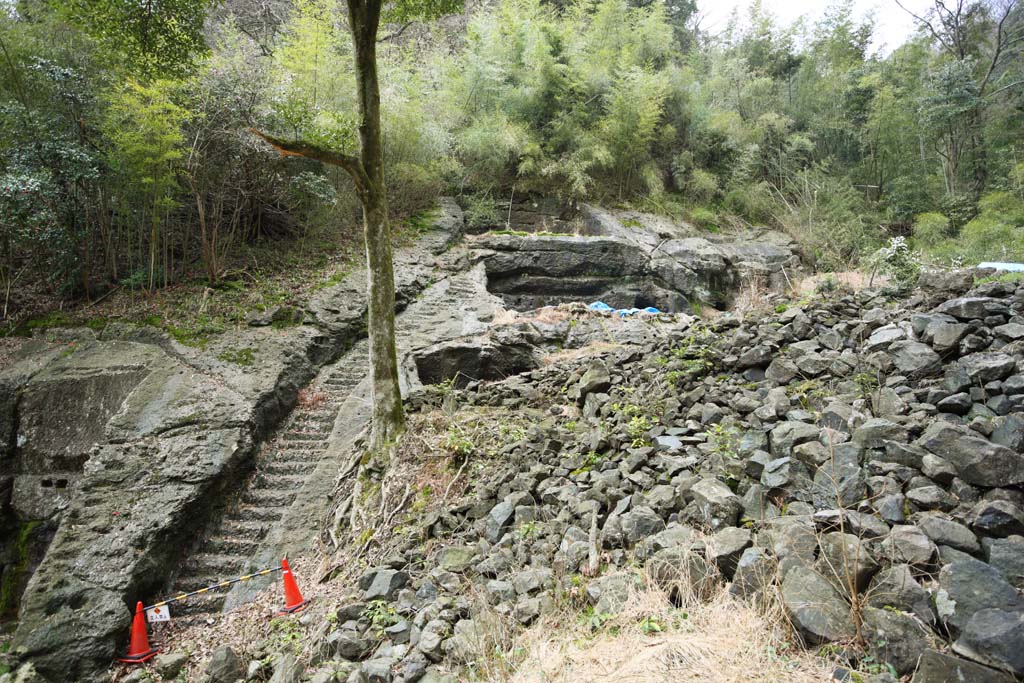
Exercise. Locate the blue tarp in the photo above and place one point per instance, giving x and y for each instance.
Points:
(1012, 267)
(623, 312)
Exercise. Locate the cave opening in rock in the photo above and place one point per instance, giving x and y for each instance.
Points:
(464, 361)
(525, 291)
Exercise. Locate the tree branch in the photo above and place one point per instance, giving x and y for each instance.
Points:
(997, 50)
(396, 34)
(927, 23)
(297, 148)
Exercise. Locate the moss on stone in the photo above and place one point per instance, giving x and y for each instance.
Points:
(13, 576)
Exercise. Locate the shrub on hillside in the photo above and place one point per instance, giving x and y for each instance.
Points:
(751, 202)
(930, 229)
(702, 185)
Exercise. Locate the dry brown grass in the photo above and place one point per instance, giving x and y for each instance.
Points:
(8, 347)
(752, 295)
(853, 280)
(723, 640)
(595, 349)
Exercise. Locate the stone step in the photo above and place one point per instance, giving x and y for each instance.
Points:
(207, 603)
(303, 421)
(256, 514)
(231, 545)
(268, 498)
(279, 482)
(297, 455)
(291, 445)
(224, 566)
(289, 467)
(308, 435)
(244, 528)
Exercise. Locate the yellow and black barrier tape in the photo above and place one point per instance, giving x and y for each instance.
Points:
(222, 584)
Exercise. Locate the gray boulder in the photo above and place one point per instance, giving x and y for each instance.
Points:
(288, 669)
(498, 521)
(224, 666)
(994, 637)
(1007, 555)
(967, 586)
(977, 460)
(896, 587)
(944, 531)
(716, 505)
(895, 638)
(938, 667)
(382, 584)
(818, 611)
(639, 523)
(914, 359)
(997, 518)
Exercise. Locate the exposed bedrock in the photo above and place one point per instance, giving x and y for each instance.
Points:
(121, 447)
(649, 262)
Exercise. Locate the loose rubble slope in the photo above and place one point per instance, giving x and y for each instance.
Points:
(853, 460)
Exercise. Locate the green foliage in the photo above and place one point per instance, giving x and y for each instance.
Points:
(705, 218)
(995, 234)
(702, 185)
(150, 39)
(724, 439)
(637, 430)
(380, 614)
(898, 261)
(244, 357)
(558, 102)
(930, 229)
(126, 157)
(1011, 277)
(457, 441)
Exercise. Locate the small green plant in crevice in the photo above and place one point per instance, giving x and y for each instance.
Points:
(631, 223)
(513, 432)
(808, 393)
(288, 633)
(595, 620)
(422, 500)
(651, 625)
(724, 439)
(589, 463)
(457, 442)
(528, 529)
(637, 430)
(381, 614)
(867, 383)
(244, 357)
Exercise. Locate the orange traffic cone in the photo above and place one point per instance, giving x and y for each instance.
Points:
(293, 601)
(139, 650)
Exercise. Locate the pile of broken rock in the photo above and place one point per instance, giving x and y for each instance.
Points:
(858, 457)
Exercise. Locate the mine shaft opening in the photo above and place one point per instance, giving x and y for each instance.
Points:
(464, 362)
(525, 291)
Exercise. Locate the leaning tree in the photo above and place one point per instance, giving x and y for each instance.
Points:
(366, 168)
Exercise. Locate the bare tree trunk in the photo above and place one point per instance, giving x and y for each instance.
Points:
(388, 417)
(367, 172)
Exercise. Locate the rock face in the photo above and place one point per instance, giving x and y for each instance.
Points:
(656, 264)
(854, 446)
(120, 447)
(849, 445)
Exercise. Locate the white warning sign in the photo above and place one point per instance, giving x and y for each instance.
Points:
(161, 613)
